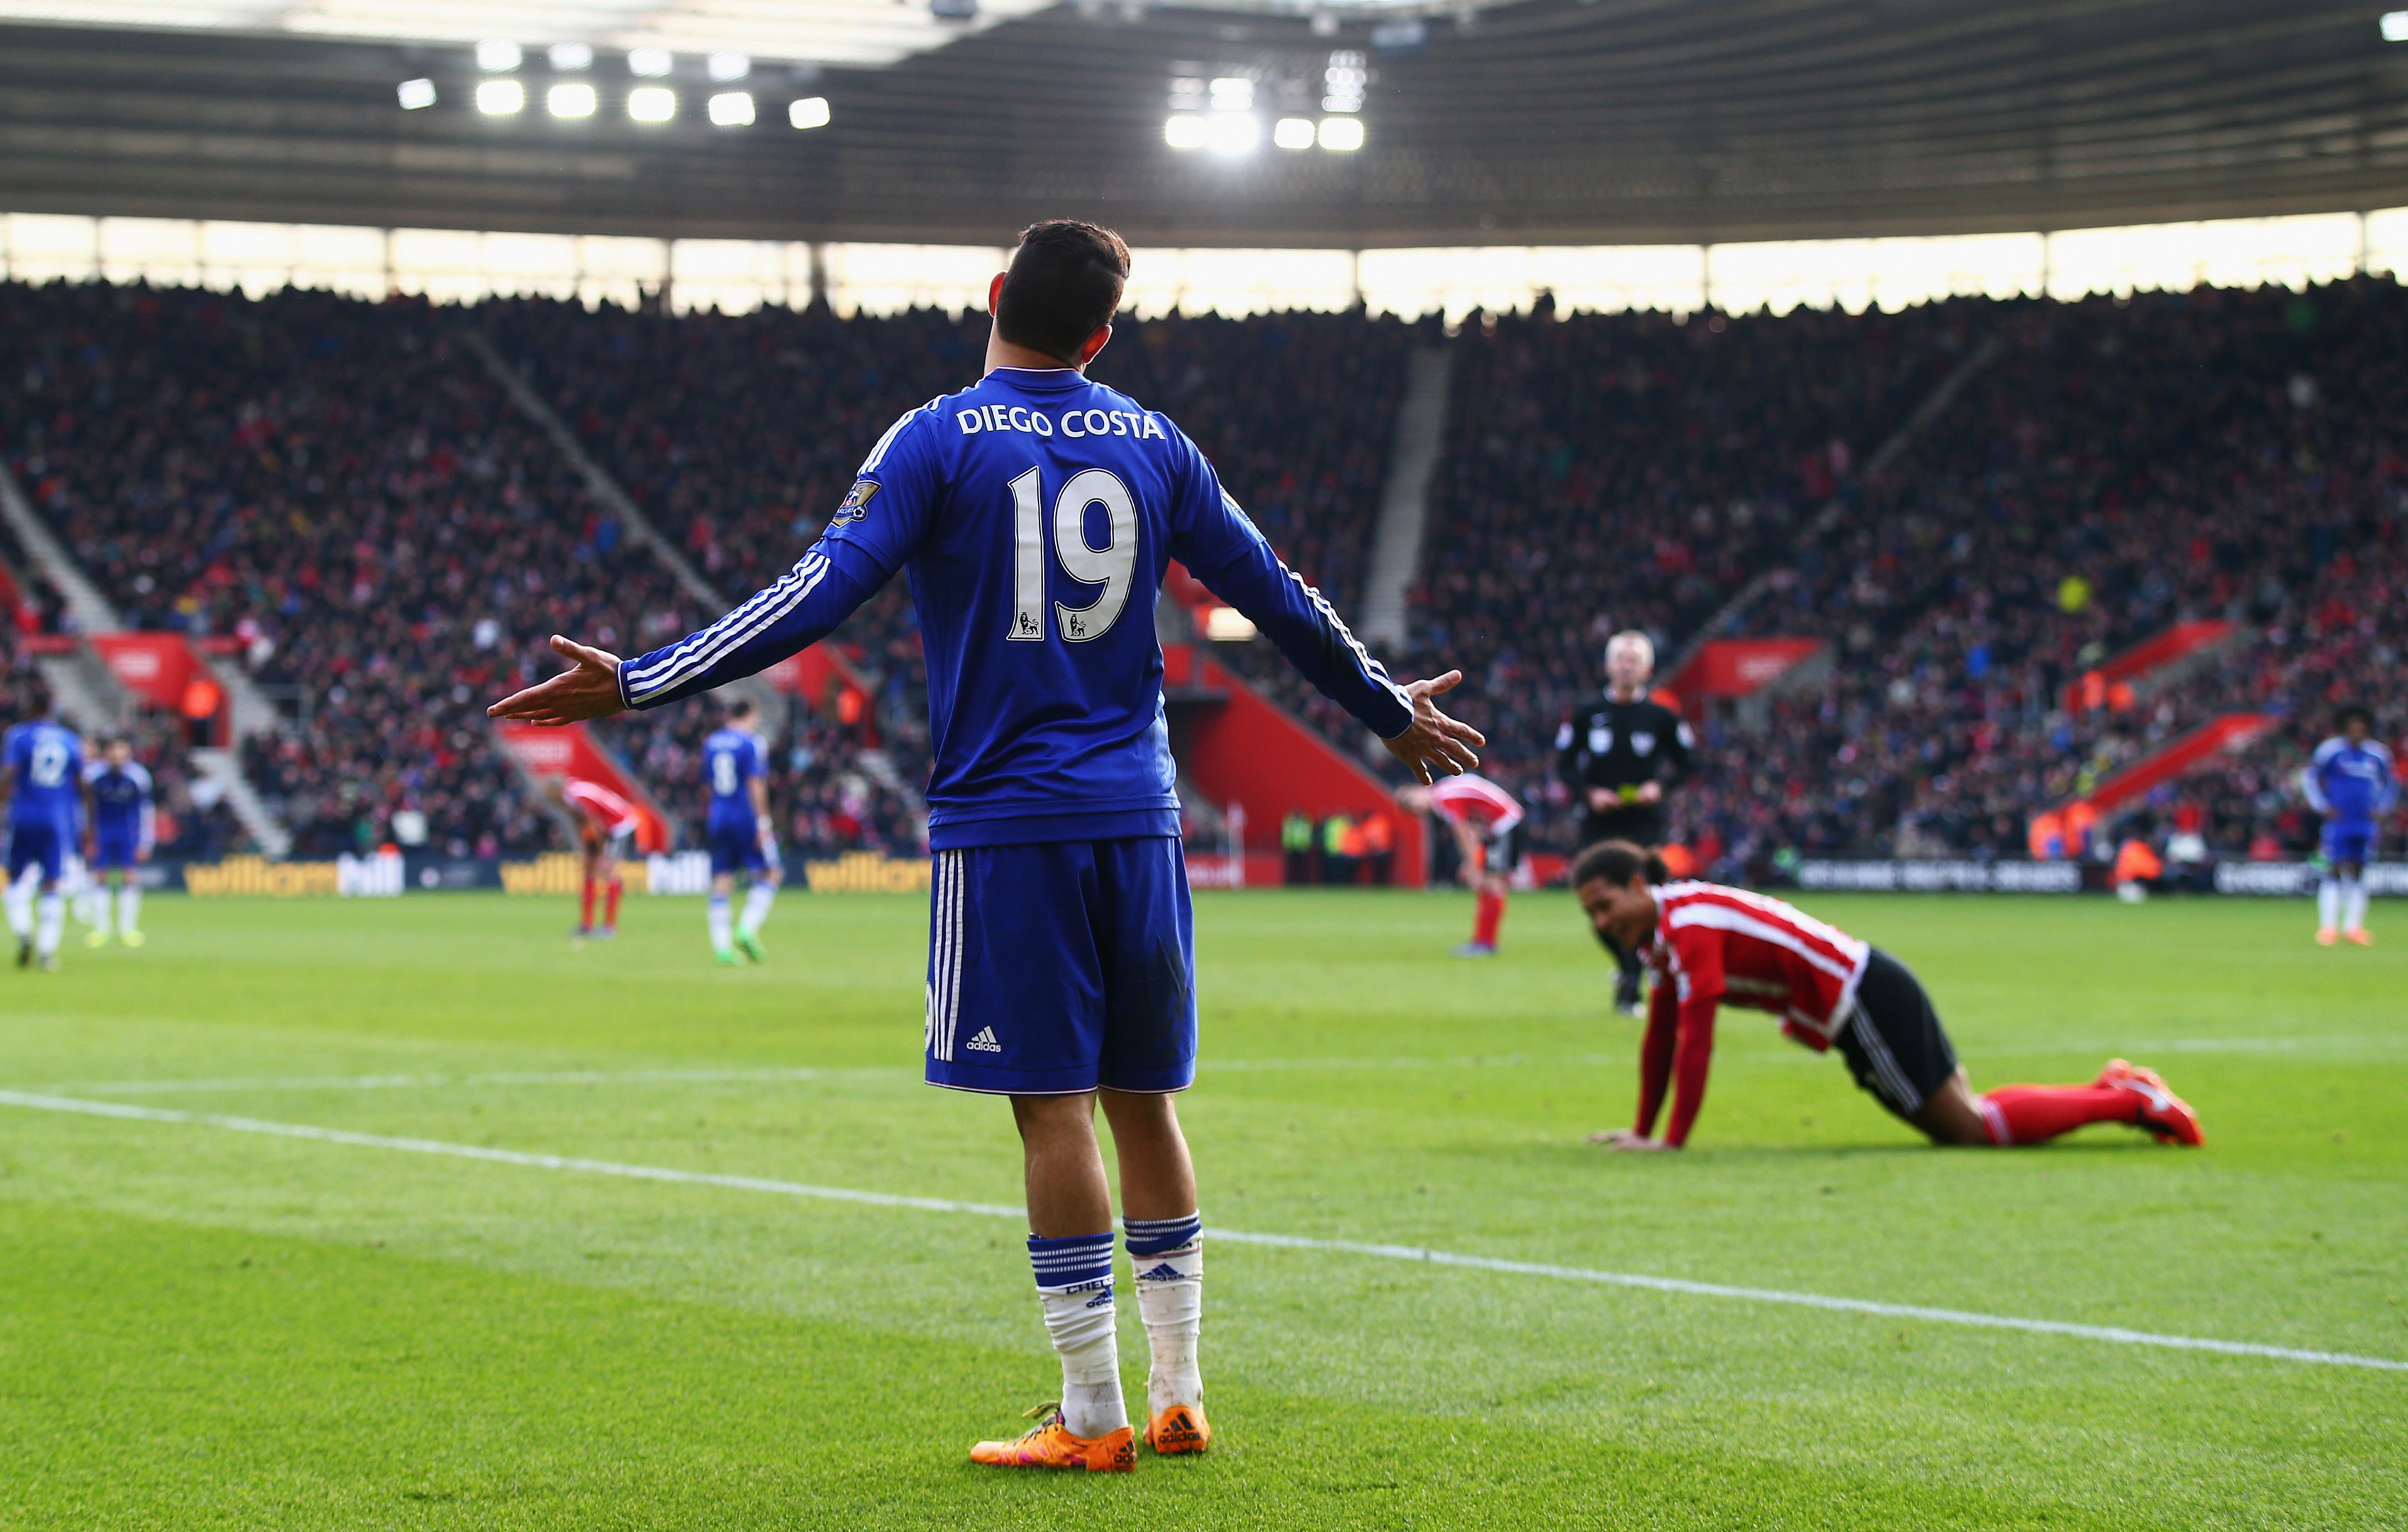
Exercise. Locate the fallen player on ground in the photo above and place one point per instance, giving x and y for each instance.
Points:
(1710, 945)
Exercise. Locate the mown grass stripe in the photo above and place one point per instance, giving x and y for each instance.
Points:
(2111, 1333)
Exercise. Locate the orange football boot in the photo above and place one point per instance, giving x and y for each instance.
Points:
(2325, 935)
(2358, 937)
(2162, 1113)
(1178, 1428)
(1050, 1445)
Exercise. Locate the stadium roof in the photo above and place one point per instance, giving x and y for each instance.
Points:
(1548, 121)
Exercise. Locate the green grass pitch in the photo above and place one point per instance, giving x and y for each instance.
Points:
(202, 1327)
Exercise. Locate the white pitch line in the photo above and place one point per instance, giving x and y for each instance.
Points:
(1299, 1242)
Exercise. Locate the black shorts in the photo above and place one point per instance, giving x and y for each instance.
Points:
(1503, 853)
(1893, 1040)
(1640, 824)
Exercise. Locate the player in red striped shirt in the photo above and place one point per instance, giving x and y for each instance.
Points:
(1486, 823)
(1712, 945)
(606, 827)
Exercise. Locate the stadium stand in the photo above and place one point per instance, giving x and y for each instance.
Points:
(330, 484)
(1635, 470)
(2127, 466)
(334, 486)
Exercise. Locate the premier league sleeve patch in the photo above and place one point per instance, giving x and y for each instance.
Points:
(856, 501)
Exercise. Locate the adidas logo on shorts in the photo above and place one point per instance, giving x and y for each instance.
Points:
(984, 1042)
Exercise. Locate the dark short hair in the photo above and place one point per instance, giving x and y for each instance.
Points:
(1617, 863)
(741, 707)
(2358, 711)
(1064, 284)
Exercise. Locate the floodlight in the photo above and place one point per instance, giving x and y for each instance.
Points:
(2395, 26)
(731, 108)
(811, 112)
(501, 97)
(726, 67)
(1343, 81)
(1231, 132)
(1184, 131)
(651, 62)
(570, 57)
(651, 104)
(415, 94)
(497, 57)
(1342, 134)
(570, 100)
(1293, 133)
(1232, 93)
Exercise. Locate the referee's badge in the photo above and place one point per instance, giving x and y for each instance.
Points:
(1601, 741)
(1641, 742)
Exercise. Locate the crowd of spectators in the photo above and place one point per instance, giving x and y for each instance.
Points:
(2124, 464)
(338, 486)
(1611, 471)
(341, 489)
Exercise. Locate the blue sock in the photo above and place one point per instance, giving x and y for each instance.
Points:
(1071, 1266)
(1160, 1236)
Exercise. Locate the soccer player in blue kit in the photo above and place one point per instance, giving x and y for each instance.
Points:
(1036, 512)
(735, 768)
(2351, 782)
(124, 828)
(42, 769)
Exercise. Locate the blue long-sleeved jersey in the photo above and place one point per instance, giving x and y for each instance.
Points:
(2353, 783)
(1036, 514)
(48, 760)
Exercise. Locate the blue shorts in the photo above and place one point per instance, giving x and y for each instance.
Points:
(42, 843)
(734, 849)
(2348, 843)
(111, 853)
(1058, 967)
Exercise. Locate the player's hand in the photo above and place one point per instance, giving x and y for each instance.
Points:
(1436, 746)
(1651, 792)
(1601, 799)
(588, 689)
(1630, 1139)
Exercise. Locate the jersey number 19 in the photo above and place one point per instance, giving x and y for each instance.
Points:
(1110, 566)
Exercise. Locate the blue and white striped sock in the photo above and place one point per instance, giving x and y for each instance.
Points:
(1074, 1281)
(1168, 1254)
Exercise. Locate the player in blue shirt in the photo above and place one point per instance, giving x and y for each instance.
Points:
(2350, 781)
(1035, 514)
(124, 829)
(735, 772)
(41, 771)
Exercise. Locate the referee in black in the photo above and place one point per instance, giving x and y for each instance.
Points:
(1620, 758)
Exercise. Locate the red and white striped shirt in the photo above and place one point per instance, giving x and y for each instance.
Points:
(1473, 799)
(1714, 945)
(1727, 945)
(615, 814)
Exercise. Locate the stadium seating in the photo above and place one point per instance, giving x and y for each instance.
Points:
(341, 488)
(339, 485)
(1633, 470)
(2124, 465)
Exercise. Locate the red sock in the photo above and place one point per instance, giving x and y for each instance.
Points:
(2027, 1114)
(585, 908)
(1490, 915)
(610, 911)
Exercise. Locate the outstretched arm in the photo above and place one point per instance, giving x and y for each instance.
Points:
(1230, 557)
(820, 592)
